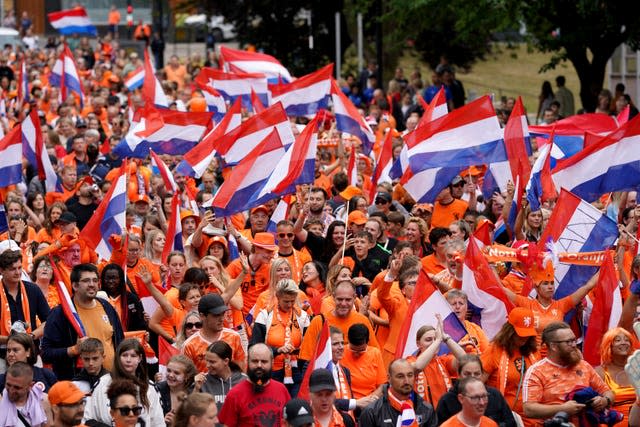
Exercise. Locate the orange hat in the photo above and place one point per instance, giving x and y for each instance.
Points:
(198, 105)
(350, 191)
(265, 241)
(65, 392)
(259, 208)
(219, 239)
(141, 198)
(521, 318)
(424, 207)
(186, 213)
(357, 217)
(546, 274)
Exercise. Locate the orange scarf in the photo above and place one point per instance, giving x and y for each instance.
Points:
(405, 408)
(5, 313)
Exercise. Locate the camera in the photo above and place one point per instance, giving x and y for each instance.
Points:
(561, 419)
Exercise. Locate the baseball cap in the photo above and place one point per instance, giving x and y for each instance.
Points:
(212, 304)
(65, 392)
(218, 239)
(297, 412)
(67, 218)
(357, 217)
(386, 197)
(141, 198)
(350, 191)
(80, 123)
(521, 318)
(456, 180)
(321, 379)
(265, 241)
(261, 208)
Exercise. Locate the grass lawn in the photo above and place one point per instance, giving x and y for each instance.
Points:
(507, 72)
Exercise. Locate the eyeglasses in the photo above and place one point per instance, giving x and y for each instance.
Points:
(477, 399)
(190, 325)
(572, 342)
(126, 410)
(287, 235)
(72, 405)
(43, 266)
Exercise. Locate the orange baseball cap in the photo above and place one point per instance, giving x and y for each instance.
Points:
(259, 208)
(218, 239)
(357, 217)
(186, 213)
(521, 318)
(265, 241)
(66, 393)
(350, 191)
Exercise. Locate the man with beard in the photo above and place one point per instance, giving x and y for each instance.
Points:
(258, 400)
(67, 404)
(548, 381)
(316, 200)
(399, 404)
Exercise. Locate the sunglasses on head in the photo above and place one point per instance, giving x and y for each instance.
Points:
(126, 410)
(283, 235)
(190, 325)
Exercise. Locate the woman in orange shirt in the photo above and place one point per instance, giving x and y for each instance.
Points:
(312, 284)
(282, 328)
(511, 352)
(50, 232)
(167, 319)
(154, 245)
(42, 275)
(191, 324)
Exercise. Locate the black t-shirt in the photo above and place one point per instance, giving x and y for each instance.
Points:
(82, 212)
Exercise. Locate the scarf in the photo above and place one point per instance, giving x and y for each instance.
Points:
(32, 410)
(407, 416)
(5, 311)
(290, 361)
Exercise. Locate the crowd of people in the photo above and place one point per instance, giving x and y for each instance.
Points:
(242, 328)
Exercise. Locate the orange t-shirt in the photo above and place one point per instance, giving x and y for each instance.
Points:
(196, 346)
(172, 296)
(513, 282)
(543, 316)
(435, 379)
(114, 17)
(431, 265)
(455, 422)
(276, 334)
(172, 324)
(253, 284)
(395, 303)
(444, 215)
(144, 264)
(548, 383)
(382, 331)
(496, 362)
(176, 75)
(475, 333)
(367, 371)
(267, 300)
(308, 346)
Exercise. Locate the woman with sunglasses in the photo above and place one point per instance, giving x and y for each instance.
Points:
(178, 382)
(129, 364)
(192, 324)
(222, 372)
(282, 328)
(123, 401)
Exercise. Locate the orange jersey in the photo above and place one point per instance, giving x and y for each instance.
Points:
(196, 346)
(548, 383)
(431, 265)
(395, 303)
(444, 215)
(477, 335)
(296, 260)
(253, 284)
(455, 422)
(435, 379)
(514, 282)
(368, 371)
(542, 316)
(382, 331)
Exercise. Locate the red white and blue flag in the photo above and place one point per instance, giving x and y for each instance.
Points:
(240, 61)
(72, 21)
(152, 92)
(164, 131)
(484, 291)
(196, 161)
(11, 158)
(134, 79)
(167, 177)
(540, 186)
(174, 228)
(109, 218)
(35, 152)
(23, 83)
(384, 163)
(349, 120)
(68, 307)
(65, 75)
(234, 145)
(612, 164)
(427, 301)
(235, 85)
(569, 133)
(606, 308)
(322, 359)
(280, 213)
(306, 95)
(215, 103)
(576, 226)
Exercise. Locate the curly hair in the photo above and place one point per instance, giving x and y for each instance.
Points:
(606, 355)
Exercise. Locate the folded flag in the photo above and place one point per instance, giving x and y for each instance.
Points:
(233, 60)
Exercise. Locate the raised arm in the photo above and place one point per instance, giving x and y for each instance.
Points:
(582, 292)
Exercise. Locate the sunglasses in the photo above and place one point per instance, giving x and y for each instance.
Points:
(190, 325)
(125, 410)
(287, 235)
(460, 184)
(381, 202)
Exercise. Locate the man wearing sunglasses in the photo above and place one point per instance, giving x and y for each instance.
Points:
(296, 259)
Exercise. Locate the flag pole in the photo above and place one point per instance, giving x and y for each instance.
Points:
(346, 230)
